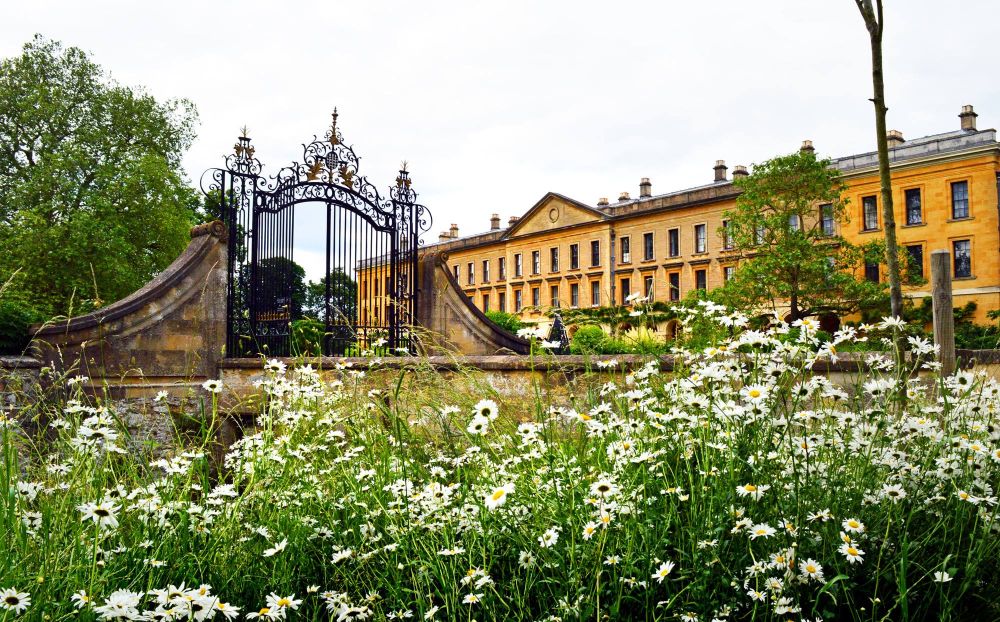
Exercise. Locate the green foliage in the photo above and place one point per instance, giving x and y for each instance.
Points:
(282, 288)
(507, 321)
(92, 197)
(968, 334)
(785, 255)
(740, 467)
(307, 337)
(343, 297)
(14, 320)
(588, 340)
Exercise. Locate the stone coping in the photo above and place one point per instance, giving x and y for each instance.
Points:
(13, 361)
(848, 362)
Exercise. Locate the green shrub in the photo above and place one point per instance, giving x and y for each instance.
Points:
(507, 321)
(588, 340)
(307, 337)
(14, 320)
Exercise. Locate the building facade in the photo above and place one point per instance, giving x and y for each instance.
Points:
(565, 253)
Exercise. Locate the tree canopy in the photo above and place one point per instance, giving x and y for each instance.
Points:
(93, 201)
(783, 238)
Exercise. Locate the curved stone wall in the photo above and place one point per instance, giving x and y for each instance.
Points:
(171, 332)
(450, 322)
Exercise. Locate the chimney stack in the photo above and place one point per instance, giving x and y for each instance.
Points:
(807, 147)
(444, 236)
(623, 197)
(512, 221)
(494, 222)
(894, 138)
(968, 117)
(720, 170)
(645, 188)
(453, 231)
(602, 202)
(739, 171)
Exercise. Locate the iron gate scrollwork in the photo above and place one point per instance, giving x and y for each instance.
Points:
(367, 298)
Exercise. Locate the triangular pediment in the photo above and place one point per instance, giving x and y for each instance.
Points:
(554, 211)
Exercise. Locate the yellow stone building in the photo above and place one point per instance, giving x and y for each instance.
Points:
(563, 252)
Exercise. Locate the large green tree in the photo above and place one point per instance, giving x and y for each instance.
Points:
(788, 254)
(93, 201)
(343, 298)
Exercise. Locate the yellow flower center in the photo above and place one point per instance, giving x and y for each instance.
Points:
(500, 492)
(750, 488)
(754, 393)
(284, 602)
(810, 568)
(852, 551)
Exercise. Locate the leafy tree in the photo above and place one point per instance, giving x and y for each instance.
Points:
(281, 289)
(785, 254)
(92, 198)
(343, 298)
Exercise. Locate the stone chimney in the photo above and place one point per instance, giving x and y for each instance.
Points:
(494, 222)
(968, 117)
(720, 170)
(807, 147)
(453, 231)
(623, 197)
(513, 221)
(645, 188)
(894, 138)
(602, 202)
(444, 237)
(739, 171)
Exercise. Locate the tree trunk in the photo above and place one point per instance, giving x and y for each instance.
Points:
(875, 22)
(888, 212)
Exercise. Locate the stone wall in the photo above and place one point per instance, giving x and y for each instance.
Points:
(450, 322)
(169, 335)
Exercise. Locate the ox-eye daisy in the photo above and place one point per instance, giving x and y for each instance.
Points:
(498, 496)
(663, 571)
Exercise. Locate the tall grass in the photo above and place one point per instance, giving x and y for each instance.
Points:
(740, 487)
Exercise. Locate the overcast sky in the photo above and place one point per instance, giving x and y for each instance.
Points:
(496, 103)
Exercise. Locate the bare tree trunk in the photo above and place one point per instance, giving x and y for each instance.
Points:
(874, 22)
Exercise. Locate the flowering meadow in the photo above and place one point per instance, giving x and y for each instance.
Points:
(739, 486)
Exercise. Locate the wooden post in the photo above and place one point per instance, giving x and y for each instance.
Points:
(944, 318)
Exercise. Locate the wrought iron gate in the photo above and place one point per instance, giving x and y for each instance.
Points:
(368, 297)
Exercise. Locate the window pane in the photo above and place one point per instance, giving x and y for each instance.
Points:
(574, 256)
(701, 279)
(962, 258)
(675, 285)
(675, 242)
(913, 215)
(626, 251)
(595, 253)
(826, 218)
(870, 207)
(871, 272)
(960, 199)
(595, 293)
